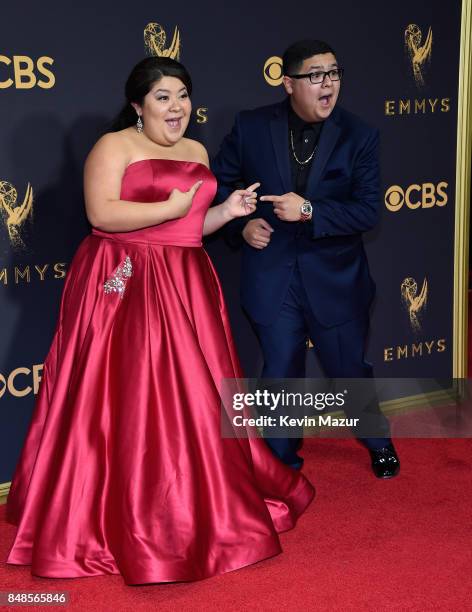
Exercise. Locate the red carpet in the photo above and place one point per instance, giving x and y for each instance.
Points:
(364, 544)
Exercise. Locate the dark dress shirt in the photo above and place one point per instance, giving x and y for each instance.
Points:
(305, 139)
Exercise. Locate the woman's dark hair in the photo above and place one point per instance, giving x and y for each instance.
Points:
(143, 76)
(297, 53)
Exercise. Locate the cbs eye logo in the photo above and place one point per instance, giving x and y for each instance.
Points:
(416, 196)
(24, 73)
(273, 71)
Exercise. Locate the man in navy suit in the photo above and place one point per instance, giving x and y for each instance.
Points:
(304, 268)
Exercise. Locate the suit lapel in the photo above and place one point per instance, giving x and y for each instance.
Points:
(328, 138)
(279, 133)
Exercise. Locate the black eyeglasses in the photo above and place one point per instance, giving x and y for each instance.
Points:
(335, 74)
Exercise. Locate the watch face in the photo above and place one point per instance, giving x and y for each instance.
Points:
(306, 208)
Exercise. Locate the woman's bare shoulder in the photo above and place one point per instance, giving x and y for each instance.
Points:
(195, 151)
(113, 146)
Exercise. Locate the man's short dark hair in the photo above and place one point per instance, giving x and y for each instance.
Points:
(297, 53)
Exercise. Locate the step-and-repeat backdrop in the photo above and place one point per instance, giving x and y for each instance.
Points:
(62, 73)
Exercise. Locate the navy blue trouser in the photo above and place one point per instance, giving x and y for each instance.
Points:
(340, 350)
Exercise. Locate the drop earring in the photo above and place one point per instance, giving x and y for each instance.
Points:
(139, 125)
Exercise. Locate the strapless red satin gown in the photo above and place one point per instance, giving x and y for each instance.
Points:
(124, 469)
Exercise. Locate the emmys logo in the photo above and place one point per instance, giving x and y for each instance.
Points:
(418, 106)
(419, 54)
(15, 214)
(155, 41)
(21, 381)
(273, 71)
(425, 348)
(24, 72)
(28, 273)
(413, 302)
(416, 196)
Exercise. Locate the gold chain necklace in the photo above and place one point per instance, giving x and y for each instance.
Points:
(308, 159)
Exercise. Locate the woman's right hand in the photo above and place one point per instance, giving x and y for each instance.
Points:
(181, 201)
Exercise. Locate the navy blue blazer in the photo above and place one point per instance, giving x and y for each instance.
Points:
(343, 187)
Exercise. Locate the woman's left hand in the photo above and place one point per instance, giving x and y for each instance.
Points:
(242, 202)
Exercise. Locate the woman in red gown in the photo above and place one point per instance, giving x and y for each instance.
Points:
(124, 469)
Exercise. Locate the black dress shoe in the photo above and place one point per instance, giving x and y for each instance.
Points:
(385, 461)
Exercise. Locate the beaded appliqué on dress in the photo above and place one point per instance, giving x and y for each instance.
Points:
(117, 282)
